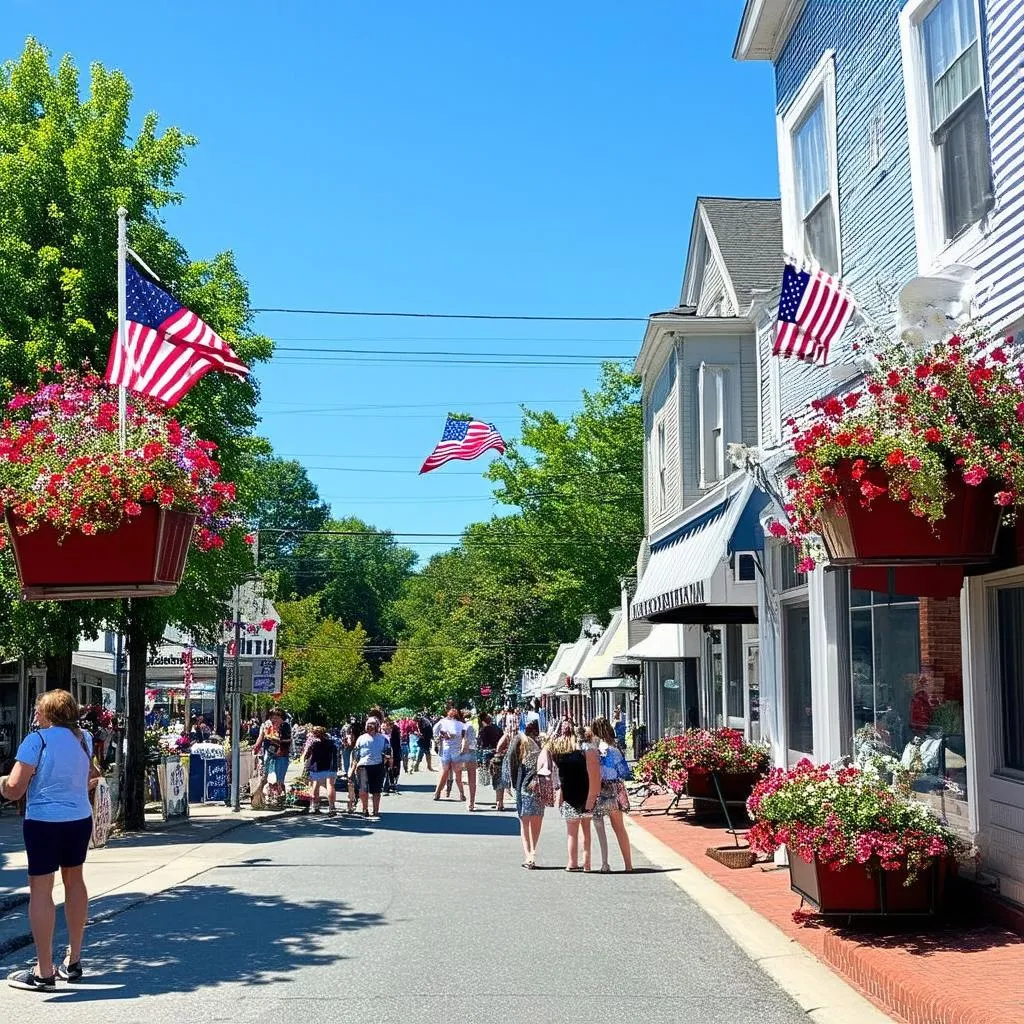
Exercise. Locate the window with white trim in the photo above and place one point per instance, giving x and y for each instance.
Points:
(951, 161)
(661, 467)
(712, 388)
(809, 170)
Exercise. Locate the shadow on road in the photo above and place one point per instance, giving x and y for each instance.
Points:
(198, 936)
(478, 823)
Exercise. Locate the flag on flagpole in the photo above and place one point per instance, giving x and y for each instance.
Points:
(463, 439)
(167, 347)
(814, 309)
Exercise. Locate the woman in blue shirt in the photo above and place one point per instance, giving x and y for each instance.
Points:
(372, 750)
(53, 766)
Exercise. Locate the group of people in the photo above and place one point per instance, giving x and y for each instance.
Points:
(581, 771)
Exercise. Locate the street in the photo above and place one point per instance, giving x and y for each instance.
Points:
(425, 915)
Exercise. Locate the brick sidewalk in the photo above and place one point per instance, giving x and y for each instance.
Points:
(952, 973)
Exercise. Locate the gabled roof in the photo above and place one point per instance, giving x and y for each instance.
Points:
(746, 236)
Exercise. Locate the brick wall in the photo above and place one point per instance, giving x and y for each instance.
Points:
(941, 664)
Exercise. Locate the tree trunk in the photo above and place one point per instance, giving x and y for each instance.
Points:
(58, 671)
(134, 797)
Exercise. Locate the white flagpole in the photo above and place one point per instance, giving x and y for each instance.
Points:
(122, 319)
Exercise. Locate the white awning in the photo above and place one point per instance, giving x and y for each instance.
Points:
(628, 683)
(612, 645)
(688, 578)
(668, 641)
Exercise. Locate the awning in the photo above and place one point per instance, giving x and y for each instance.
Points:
(550, 682)
(611, 646)
(574, 659)
(689, 577)
(628, 684)
(668, 641)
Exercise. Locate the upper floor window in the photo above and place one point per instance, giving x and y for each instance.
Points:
(661, 467)
(711, 397)
(808, 169)
(951, 162)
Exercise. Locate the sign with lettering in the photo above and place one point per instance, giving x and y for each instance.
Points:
(216, 783)
(173, 788)
(256, 675)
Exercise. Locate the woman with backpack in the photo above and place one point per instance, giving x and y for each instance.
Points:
(54, 766)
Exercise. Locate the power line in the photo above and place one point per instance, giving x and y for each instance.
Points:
(455, 316)
(590, 357)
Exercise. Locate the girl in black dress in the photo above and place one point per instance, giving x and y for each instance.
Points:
(579, 773)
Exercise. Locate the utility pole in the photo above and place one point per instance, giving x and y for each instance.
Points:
(236, 709)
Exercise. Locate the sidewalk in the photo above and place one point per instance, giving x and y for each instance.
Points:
(958, 972)
(127, 870)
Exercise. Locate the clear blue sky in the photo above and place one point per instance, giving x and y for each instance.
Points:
(472, 156)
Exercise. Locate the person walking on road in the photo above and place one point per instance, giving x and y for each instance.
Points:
(55, 767)
(449, 732)
(487, 742)
(372, 755)
(522, 758)
(275, 744)
(321, 763)
(579, 773)
(469, 755)
(613, 801)
(426, 727)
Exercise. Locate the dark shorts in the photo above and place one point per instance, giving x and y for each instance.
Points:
(51, 845)
(374, 775)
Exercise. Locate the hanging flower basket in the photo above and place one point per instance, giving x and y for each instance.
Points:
(886, 532)
(918, 467)
(88, 521)
(144, 557)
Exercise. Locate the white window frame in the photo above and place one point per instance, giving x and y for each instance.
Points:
(659, 434)
(933, 251)
(820, 84)
(722, 430)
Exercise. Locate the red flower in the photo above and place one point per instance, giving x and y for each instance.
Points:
(871, 491)
(776, 529)
(914, 464)
(934, 435)
(152, 450)
(804, 464)
(844, 440)
(166, 497)
(148, 493)
(833, 407)
(922, 371)
(998, 356)
(250, 538)
(851, 400)
(132, 508)
(805, 565)
(975, 475)
(893, 379)
(1005, 497)
(858, 469)
(902, 399)
(896, 458)
(938, 392)
(88, 529)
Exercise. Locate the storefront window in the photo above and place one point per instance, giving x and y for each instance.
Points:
(885, 654)
(797, 643)
(1011, 675)
(734, 676)
(670, 677)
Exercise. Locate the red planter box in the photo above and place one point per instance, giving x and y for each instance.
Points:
(866, 889)
(145, 557)
(888, 533)
(735, 787)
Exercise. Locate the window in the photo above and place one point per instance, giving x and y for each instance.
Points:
(809, 170)
(248, 647)
(269, 648)
(109, 642)
(745, 567)
(257, 647)
(671, 680)
(711, 396)
(814, 199)
(789, 578)
(950, 158)
(796, 639)
(661, 467)
(735, 709)
(885, 658)
(1010, 617)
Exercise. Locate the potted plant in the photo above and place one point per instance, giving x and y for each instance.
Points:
(88, 520)
(917, 466)
(688, 764)
(856, 845)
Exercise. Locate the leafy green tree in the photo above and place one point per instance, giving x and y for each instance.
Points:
(327, 677)
(66, 164)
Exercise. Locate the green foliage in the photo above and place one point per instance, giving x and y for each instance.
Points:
(326, 676)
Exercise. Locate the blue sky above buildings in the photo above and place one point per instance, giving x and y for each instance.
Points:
(530, 158)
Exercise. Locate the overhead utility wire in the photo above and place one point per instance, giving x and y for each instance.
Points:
(455, 316)
(446, 352)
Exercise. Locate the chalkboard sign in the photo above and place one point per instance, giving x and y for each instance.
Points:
(216, 788)
(173, 790)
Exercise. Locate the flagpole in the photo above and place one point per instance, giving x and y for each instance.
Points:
(122, 320)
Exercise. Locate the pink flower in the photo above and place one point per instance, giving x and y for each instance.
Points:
(776, 529)
(975, 475)
(1005, 497)
(914, 464)
(805, 565)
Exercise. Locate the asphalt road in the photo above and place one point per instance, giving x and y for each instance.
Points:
(425, 916)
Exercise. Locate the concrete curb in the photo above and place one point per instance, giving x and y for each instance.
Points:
(817, 989)
(164, 875)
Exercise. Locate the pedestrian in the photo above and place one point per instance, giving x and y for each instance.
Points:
(321, 763)
(406, 726)
(448, 732)
(390, 730)
(469, 756)
(54, 766)
(487, 742)
(274, 743)
(300, 737)
(521, 760)
(620, 729)
(426, 727)
(372, 752)
(579, 773)
(613, 800)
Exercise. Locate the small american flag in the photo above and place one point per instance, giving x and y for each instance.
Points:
(168, 347)
(814, 309)
(463, 439)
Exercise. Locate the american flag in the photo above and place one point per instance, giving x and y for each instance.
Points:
(169, 348)
(463, 439)
(814, 309)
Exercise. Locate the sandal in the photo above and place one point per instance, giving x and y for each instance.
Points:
(573, 870)
(606, 869)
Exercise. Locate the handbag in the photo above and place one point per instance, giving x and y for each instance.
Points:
(545, 790)
(99, 798)
(622, 798)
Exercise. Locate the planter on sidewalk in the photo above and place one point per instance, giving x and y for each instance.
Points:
(735, 787)
(867, 889)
